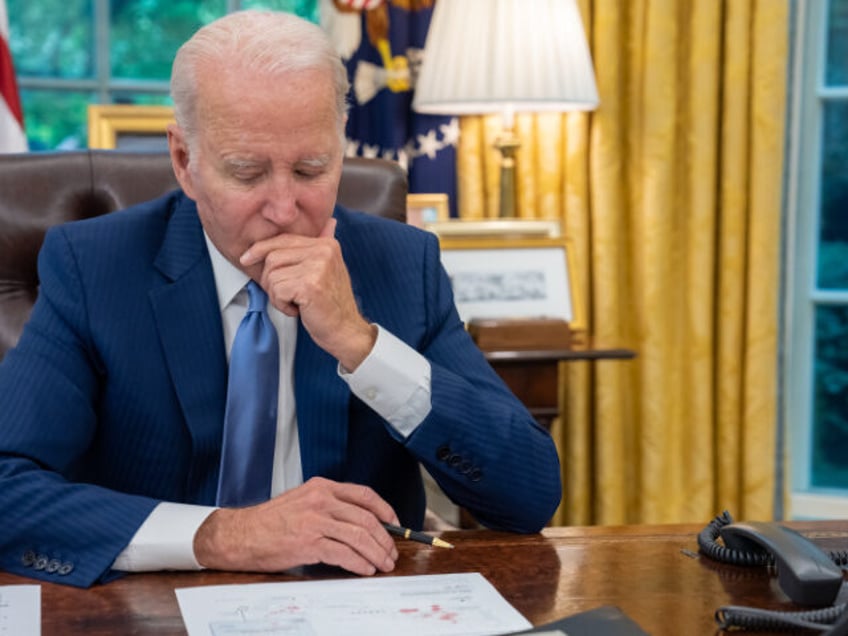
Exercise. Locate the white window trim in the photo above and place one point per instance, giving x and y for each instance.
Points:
(801, 297)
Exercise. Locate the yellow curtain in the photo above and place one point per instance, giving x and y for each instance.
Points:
(671, 192)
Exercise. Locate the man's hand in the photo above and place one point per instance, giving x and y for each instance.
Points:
(321, 521)
(307, 276)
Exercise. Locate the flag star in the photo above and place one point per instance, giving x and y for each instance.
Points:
(370, 152)
(403, 157)
(409, 149)
(429, 144)
(352, 148)
(450, 131)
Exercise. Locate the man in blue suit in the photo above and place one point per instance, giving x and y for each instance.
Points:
(113, 402)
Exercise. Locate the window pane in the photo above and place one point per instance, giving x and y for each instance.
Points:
(147, 33)
(52, 38)
(56, 119)
(305, 8)
(830, 426)
(837, 43)
(833, 238)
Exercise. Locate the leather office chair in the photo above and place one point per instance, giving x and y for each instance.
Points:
(38, 190)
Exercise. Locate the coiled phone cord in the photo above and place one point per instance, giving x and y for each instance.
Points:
(733, 617)
(709, 546)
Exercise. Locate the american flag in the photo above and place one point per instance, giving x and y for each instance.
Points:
(382, 44)
(12, 138)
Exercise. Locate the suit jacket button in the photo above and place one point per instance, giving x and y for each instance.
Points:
(53, 565)
(475, 475)
(454, 461)
(41, 562)
(28, 558)
(466, 467)
(66, 568)
(443, 452)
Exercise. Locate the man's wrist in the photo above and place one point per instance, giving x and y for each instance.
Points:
(212, 540)
(359, 347)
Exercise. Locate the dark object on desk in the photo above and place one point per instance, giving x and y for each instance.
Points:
(542, 333)
(806, 574)
(414, 535)
(603, 621)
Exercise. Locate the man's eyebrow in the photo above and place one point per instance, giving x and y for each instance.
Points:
(314, 162)
(238, 163)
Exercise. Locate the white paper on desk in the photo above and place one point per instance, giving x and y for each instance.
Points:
(428, 605)
(20, 610)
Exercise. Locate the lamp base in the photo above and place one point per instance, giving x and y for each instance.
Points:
(508, 145)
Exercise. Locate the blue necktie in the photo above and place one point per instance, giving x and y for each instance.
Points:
(250, 422)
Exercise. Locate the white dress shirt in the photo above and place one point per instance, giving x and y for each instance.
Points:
(394, 380)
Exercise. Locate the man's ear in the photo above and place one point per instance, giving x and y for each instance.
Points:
(179, 151)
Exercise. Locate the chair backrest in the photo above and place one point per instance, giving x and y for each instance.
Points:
(39, 190)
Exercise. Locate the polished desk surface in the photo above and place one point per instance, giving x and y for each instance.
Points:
(653, 573)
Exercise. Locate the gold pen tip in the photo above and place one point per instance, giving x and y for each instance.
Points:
(441, 543)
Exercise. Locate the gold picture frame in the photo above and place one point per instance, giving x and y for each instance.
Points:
(524, 278)
(128, 126)
(510, 229)
(423, 209)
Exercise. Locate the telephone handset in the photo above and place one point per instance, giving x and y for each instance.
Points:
(807, 574)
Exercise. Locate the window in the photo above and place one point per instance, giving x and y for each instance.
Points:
(71, 53)
(816, 310)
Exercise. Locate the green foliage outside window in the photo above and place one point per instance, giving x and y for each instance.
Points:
(52, 38)
(60, 70)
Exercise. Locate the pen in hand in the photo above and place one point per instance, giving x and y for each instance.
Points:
(406, 533)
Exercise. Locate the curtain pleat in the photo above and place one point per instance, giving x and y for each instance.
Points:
(671, 195)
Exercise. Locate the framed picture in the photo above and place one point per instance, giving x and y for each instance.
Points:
(422, 209)
(496, 228)
(129, 127)
(522, 278)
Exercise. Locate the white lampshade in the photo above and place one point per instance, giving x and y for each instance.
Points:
(505, 56)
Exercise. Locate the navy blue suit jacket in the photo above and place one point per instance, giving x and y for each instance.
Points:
(113, 399)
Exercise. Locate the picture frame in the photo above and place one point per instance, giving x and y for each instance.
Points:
(525, 278)
(425, 208)
(129, 127)
(496, 228)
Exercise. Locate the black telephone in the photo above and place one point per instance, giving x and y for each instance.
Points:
(806, 574)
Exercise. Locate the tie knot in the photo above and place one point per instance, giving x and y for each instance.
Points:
(258, 299)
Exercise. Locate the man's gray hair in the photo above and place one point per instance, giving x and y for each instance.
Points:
(266, 41)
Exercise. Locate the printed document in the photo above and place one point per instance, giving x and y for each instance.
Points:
(428, 605)
(20, 610)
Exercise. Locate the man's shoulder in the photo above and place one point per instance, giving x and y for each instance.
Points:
(150, 212)
(138, 230)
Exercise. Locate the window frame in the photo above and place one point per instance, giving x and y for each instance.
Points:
(103, 85)
(808, 96)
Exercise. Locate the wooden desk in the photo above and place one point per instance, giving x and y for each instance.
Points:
(648, 571)
(533, 375)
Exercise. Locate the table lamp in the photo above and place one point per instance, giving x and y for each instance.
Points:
(505, 56)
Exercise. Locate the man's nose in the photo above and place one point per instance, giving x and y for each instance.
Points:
(280, 206)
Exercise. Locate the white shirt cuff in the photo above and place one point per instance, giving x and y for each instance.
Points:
(394, 380)
(165, 541)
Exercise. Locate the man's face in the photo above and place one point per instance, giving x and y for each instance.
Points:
(267, 160)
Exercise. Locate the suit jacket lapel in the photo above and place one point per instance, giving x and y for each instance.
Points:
(189, 323)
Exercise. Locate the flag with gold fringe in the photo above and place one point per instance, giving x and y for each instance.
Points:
(382, 45)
